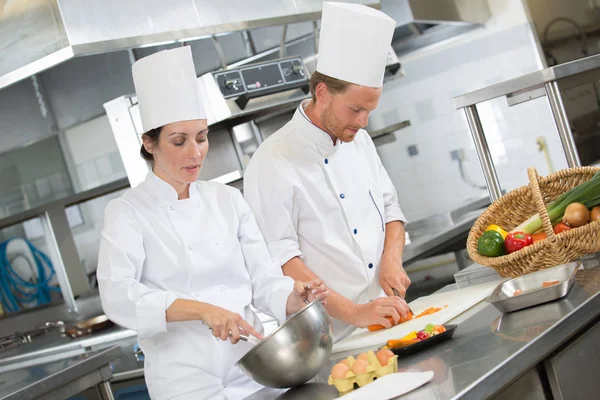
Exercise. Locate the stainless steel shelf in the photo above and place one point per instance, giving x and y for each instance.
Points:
(569, 74)
(548, 82)
(65, 202)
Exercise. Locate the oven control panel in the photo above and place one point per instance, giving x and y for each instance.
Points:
(264, 78)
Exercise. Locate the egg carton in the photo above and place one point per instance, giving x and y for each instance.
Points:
(374, 370)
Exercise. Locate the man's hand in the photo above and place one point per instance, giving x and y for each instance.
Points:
(376, 311)
(393, 276)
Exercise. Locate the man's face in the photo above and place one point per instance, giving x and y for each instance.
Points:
(347, 112)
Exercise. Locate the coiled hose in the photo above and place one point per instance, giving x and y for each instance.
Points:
(16, 291)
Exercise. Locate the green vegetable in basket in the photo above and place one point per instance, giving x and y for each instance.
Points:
(588, 193)
(491, 244)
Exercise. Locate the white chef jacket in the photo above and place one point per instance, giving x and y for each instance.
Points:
(155, 249)
(325, 203)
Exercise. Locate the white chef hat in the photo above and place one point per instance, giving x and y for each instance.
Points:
(166, 88)
(354, 43)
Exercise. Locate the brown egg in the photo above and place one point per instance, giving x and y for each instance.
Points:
(339, 371)
(363, 356)
(360, 366)
(346, 362)
(384, 355)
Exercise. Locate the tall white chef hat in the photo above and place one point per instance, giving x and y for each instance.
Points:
(354, 43)
(166, 88)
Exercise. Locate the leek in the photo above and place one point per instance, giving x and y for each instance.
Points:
(588, 193)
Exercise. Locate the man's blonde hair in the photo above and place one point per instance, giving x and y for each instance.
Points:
(333, 85)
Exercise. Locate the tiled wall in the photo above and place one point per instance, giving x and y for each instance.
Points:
(430, 181)
(92, 154)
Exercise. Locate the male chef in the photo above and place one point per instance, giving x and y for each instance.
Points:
(321, 196)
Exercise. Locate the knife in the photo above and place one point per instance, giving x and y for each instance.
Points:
(396, 293)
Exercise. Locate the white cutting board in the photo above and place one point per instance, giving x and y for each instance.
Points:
(458, 301)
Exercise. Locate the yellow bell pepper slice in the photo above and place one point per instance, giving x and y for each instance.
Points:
(498, 229)
(410, 336)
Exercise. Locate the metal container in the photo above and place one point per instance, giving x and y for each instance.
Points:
(531, 286)
(475, 274)
(294, 353)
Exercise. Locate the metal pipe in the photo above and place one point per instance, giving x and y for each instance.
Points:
(483, 152)
(106, 391)
(282, 42)
(316, 33)
(267, 53)
(220, 51)
(562, 123)
(249, 43)
(132, 57)
(53, 247)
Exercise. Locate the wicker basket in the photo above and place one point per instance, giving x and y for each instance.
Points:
(516, 206)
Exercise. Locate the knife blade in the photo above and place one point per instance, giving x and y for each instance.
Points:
(396, 293)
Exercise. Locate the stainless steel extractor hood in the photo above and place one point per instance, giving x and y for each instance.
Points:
(38, 34)
(420, 23)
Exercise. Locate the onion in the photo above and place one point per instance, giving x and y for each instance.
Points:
(576, 215)
(595, 213)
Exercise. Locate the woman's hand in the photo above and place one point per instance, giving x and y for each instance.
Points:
(306, 291)
(225, 324)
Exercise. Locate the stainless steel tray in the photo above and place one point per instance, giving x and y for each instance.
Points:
(533, 293)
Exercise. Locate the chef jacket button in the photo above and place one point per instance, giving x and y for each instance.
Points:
(326, 161)
(224, 386)
(222, 290)
(190, 247)
(196, 294)
(171, 208)
(370, 265)
(355, 231)
(342, 195)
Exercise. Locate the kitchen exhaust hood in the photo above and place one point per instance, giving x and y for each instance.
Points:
(39, 34)
(420, 23)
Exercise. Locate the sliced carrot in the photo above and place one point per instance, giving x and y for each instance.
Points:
(549, 283)
(409, 316)
(429, 311)
(517, 292)
(399, 343)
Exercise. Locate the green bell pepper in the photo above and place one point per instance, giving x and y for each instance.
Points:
(491, 244)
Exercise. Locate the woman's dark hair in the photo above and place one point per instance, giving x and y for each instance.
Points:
(153, 135)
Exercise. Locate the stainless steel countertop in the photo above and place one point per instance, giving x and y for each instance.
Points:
(31, 383)
(488, 351)
(529, 82)
(54, 346)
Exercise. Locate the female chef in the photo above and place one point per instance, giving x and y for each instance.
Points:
(182, 260)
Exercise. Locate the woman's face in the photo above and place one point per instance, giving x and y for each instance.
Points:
(180, 151)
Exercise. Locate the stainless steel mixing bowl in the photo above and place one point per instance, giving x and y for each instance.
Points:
(294, 353)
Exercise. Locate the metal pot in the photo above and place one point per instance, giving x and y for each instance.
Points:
(294, 353)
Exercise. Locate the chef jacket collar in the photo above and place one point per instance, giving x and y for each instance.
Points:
(313, 133)
(164, 191)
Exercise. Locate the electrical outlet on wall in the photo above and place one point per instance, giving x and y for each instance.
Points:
(457, 154)
(413, 150)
